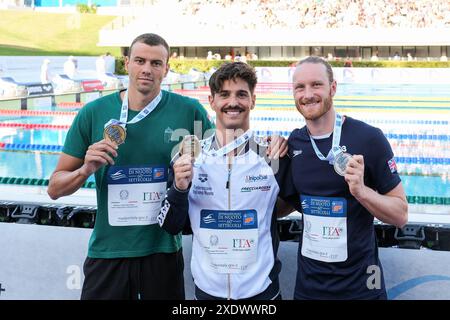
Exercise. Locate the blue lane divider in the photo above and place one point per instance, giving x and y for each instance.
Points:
(32, 147)
(377, 121)
(415, 136)
(370, 121)
(423, 160)
(409, 136)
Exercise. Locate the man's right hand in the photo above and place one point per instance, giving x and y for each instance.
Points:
(98, 155)
(183, 171)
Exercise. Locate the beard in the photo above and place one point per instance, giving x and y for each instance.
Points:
(314, 115)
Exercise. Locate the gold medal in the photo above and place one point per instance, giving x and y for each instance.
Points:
(340, 163)
(115, 133)
(190, 145)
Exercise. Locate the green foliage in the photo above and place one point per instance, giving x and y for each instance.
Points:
(177, 65)
(120, 65)
(394, 64)
(357, 64)
(84, 8)
(203, 65)
(59, 33)
(183, 66)
(272, 63)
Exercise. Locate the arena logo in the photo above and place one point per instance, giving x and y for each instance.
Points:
(39, 89)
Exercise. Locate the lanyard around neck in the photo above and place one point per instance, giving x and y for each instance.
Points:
(335, 149)
(236, 143)
(141, 115)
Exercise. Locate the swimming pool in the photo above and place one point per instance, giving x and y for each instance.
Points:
(414, 118)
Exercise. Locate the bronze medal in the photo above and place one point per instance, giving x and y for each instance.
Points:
(115, 133)
(190, 145)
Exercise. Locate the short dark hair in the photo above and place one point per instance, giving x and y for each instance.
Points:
(319, 60)
(150, 39)
(232, 71)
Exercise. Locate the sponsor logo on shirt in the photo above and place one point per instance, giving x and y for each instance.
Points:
(392, 165)
(158, 173)
(209, 219)
(203, 177)
(249, 219)
(331, 232)
(243, 243)
(203, 191)
(213, 240)
(118, 175)
(124, 194)
(260, 177)
(337, 207)
(296, 153)
(305, 205)
(257, 188)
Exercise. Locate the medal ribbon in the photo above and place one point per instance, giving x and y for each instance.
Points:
(141, 115)
(236, 143)
(335, 149)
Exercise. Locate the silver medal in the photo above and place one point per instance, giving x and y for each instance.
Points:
(340, 163)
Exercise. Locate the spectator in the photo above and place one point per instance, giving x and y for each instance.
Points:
(70, 67)
(100, 65)
(45, 73)
(110, 63)
(348, 63)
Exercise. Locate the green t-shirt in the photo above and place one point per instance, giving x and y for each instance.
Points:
(148, 142)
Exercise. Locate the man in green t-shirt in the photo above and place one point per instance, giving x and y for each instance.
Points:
(127, 140)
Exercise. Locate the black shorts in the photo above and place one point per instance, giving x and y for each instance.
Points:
(157, 276)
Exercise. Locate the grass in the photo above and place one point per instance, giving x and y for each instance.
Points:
(41, 33)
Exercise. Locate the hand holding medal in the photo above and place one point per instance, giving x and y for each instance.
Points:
(341, 162)
(115, 133)
(190, 145)
(183, 167)
(354, 176)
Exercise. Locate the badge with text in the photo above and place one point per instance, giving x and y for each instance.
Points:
(115, 133)
(340, 163)
(190, 145)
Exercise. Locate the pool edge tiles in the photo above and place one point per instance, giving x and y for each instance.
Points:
(38, 195)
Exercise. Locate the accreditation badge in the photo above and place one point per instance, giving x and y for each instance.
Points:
(324, 228)
(340, 163)
(230, 239)
(190, 145)
(115, 133)
(135, 194)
